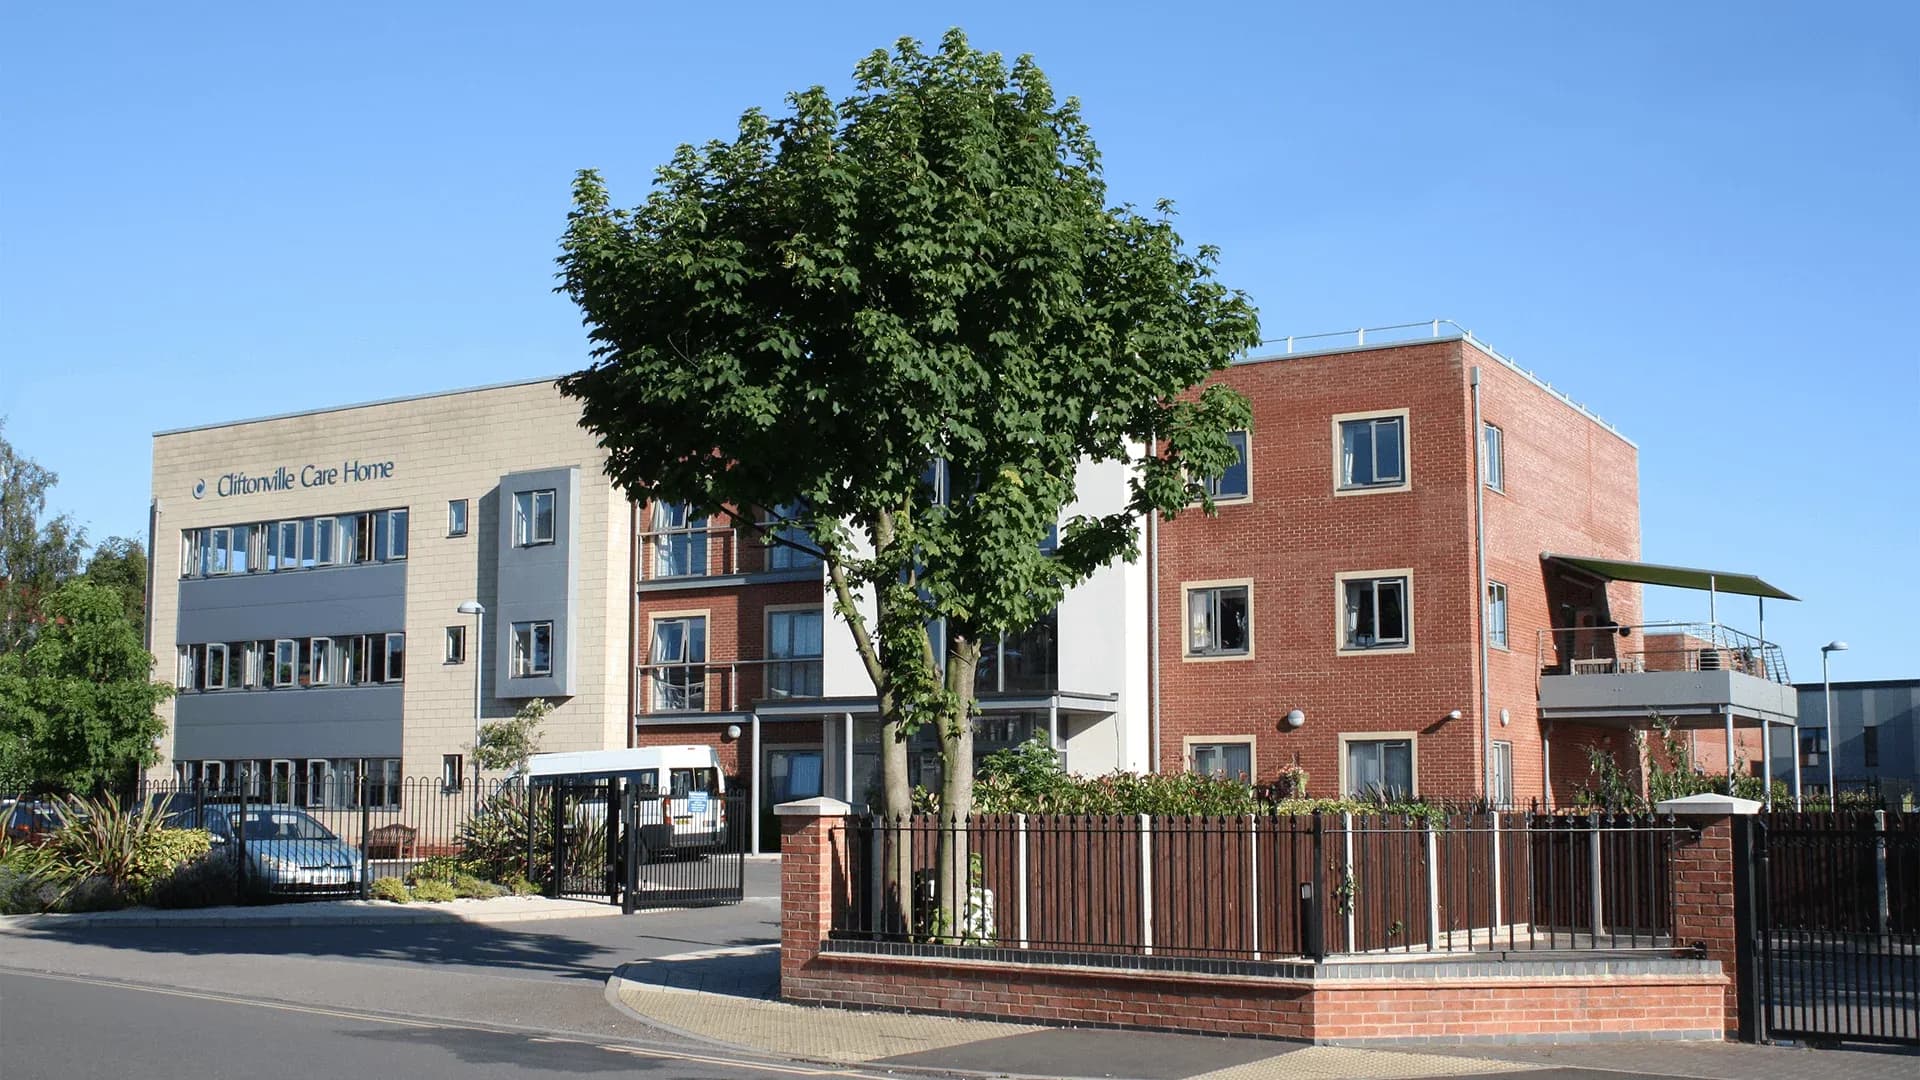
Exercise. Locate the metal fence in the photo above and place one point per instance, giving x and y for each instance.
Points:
(1264, 887)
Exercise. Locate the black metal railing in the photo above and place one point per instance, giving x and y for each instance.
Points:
(1099, 889)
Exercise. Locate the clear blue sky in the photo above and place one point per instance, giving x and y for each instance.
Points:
(1699, 219)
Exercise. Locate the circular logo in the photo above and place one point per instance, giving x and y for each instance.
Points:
(199, 489)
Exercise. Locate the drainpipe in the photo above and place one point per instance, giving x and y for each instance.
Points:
(146, 622)
(633, 624)
(1480, 545)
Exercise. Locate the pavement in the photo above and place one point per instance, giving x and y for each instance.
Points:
(502, 909)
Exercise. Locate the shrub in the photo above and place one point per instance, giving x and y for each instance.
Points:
(433, 892)
(517, 884)
(436, 868)
(392, 890)
(469, 887)
(204, 882)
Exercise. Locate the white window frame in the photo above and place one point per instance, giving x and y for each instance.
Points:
(456, 645)
(677, 531)
(220, 545)
(189, 667)
(1500, 782)
(526, 516)
(320, 662)
(524, 650)
(396, 522)
(1212, 486)
(1187, 591)
(461, 506)
(1493, 456)
(1499, 631)
(694, 687)
(216, 674)
(453, 773)
(289, 534)
(292, 664)
(1411, 738)
(387, 643)
(793, 661)
(326, 542)
(1390, 647)
(1404, 483)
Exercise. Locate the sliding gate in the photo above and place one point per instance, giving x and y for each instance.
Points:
(1838, 926)
(610, 839)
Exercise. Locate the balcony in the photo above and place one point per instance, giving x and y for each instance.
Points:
(704, 556)
(732, 686)
(1693, 674)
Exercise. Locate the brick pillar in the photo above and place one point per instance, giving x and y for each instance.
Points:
(813, 852)
(1704, 904)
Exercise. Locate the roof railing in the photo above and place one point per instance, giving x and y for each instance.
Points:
(1670, 646)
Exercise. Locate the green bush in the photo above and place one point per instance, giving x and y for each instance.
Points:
(468, 887)
(433, 892)
(436, 868)
(392, 890)
(204, 882)
(517, 884)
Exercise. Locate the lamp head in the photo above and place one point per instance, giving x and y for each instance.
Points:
(472, 607)
(1295, 718)
(1834, 646)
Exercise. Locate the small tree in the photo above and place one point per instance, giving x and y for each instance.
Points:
(78, 705)
(120, 564)
(899, 324)
(508, 744)
(36, 555)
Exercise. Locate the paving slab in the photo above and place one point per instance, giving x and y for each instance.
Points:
(504, 909)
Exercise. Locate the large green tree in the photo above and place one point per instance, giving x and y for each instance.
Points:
(36, 555)
(120, 564)
(805, 316)
(78, 705)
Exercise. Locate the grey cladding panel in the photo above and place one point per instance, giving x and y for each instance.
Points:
(339, 600)
(336, 722)
(538, 583)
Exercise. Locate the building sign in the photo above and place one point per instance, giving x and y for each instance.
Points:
(290, 478)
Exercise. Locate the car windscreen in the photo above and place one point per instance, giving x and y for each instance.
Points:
(280, 825)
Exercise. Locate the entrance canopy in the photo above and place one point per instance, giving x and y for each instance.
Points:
(1679, 577)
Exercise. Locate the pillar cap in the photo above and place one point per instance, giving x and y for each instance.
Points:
(1708, 803)
(819, 806)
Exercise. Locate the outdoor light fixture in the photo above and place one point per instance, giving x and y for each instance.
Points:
(479, 613)
(1504, 718)
(733, 731)
(1295, 718)
(1454, 715)
(1826, 691)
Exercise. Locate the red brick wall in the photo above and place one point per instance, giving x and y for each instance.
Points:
(1571, 486)
(736, 630)
(1703, 911)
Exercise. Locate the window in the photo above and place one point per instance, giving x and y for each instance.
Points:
(220, 543)
(323, 545)
(456, 644)
(1029, 660)
(1496, 615)
(679, 541)
(457, 517)
(317, 776)
(532, 649)
(289, 545)
(793, 774)
(533, 517)
(322, 664)
(783, 555)
(396, 658)
(395, 535)
(1234, 483)
(189, 669)
(1813, 747)
(453, 769)
(1500, 779)
(383, 782)
(1372, 452)
(793, 651)
(1494, 459)
(679, 657)
(1375, 614)
(215, 668)
(1219, 621)
(286, 662)
(1870, 746)
(1380, 768)
(1233, 760)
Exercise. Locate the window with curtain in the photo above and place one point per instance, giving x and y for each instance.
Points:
(1218, 621)
(678, 658)
(1376, 613)
(679, 541)
(532, 649)
(1380, 767)
(784, 555)
(1234, 483)
(533, 517)
(793, 653)
(1233, 760)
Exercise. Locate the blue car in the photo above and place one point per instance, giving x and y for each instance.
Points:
(288, 852)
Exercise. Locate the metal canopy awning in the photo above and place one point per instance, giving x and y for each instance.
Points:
(1679, 577)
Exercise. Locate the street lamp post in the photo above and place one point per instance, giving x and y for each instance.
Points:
(1826, 691)
(476, 656)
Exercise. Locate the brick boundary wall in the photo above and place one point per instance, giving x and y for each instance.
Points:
(1704, 901)
(1688, 1000)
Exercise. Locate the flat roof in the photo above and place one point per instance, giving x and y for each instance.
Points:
(1679, 577)
(356, 405)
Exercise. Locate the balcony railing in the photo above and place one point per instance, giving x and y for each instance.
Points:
(725, 686)
(714, 551)
(1626, 650)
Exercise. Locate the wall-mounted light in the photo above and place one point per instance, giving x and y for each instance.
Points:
(1454, 715)
(1504, 718)
(1295, 718)
(733, 731)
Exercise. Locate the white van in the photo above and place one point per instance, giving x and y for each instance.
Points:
(683, 792)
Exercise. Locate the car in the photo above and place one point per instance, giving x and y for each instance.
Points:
(288, 852)
(31, 821)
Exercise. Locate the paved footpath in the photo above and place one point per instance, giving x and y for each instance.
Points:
(726, 997)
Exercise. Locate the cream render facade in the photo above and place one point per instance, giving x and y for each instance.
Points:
(416, 454)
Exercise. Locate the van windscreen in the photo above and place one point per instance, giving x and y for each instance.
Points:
(689, 780)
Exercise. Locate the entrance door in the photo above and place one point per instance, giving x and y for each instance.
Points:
(788, 773)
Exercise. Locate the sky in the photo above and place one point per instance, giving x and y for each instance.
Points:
(1697, 219)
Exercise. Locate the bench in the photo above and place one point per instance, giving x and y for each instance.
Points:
(391, 842)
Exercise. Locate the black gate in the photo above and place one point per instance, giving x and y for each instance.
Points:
(610, 839)
(1836, 921)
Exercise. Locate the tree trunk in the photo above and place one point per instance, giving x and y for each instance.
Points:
(956, 795)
